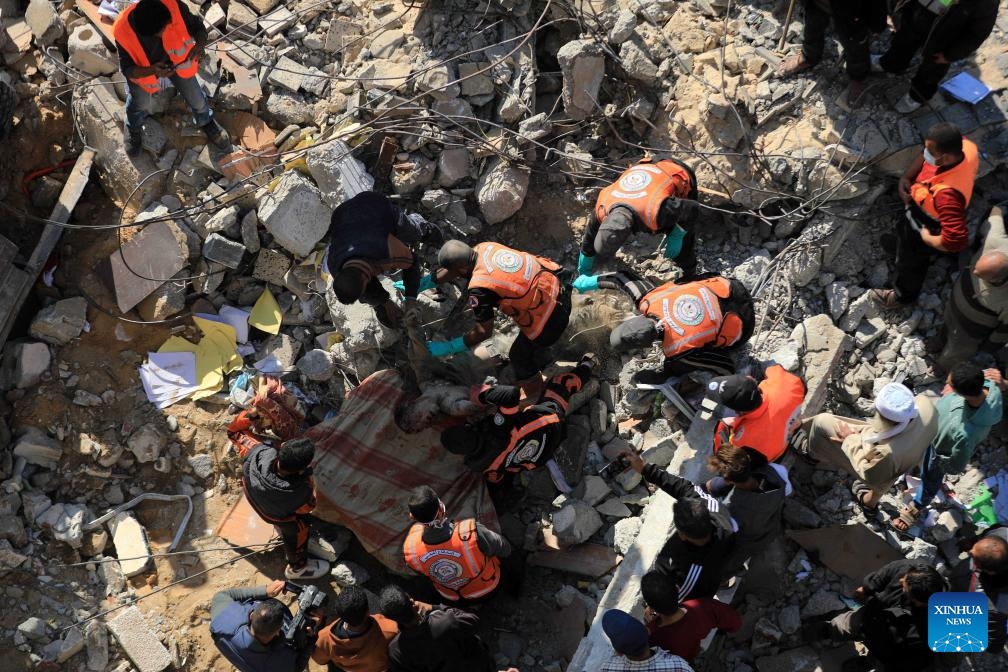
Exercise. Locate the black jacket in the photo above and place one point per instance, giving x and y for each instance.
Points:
(697, 570)
(895, 631)
(444, 641)
(274, 496)
(957, 33)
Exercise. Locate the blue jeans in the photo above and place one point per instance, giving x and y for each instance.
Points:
(138, 103)
(932, 476)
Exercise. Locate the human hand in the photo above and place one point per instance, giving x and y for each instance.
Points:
(994, 375)
(904, 189)
(843, 430)
(275, 588)
(585, 283)
(634, 460)
(163, 69)
(859, 594)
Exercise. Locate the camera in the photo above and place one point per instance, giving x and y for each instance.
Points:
(617, 466)
(301, 631)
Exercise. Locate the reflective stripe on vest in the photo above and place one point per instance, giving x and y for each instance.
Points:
(960, 177)
(525, 283)
(690, 314)
(457, 568)
(177, 42)
(938, 7)
(768, 427)
(643, 188)
(513, 459)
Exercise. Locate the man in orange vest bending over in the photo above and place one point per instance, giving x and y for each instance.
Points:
(698, 323)
(157, 40)
(461, 558)
(524, 287)
(936, 189)
(769, 412)
(649, 197)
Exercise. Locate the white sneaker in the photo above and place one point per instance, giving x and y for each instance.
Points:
(906, 104)
(314, 569)
(876, 63)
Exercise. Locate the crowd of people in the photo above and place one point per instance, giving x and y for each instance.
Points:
(701, 320)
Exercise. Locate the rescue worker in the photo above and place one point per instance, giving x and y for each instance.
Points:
(460, 557)
(513, 440)
(649, 197)
(158, 40)
(769, 412)
(936, 189)
(525, 287)
(698, 323)
(368, 237)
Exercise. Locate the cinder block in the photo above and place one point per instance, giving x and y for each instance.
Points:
(139, 642)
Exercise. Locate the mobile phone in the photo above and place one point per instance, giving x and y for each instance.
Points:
(617, 466)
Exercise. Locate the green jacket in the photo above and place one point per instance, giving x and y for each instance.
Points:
(961, 428)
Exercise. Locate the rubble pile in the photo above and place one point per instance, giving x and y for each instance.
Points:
(462, 110)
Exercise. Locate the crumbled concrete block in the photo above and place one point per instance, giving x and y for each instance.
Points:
(287, 74)
(88, 52)
(241, 21)
(575, 523)
(263, 6)
(45, 23)
(271, 266)
(34, 628)
(215, 15)
(139, 642)
(96, 640)
(61, 322)
(250, 231)
(167, 300)
(582, 63)
(38, 448)
(337, 173)
(224, 251)
(24, 364)
(822, 345)
(130, 540)
(295, 214)
(146, 262)
(9, 558)
(146, 443)
(501, 190)
(277, 21)
(454, 165)
(65, 522)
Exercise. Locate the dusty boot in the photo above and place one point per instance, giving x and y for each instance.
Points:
(134, 142)
(217, 136)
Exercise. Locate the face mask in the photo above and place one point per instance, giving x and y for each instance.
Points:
(930, 158)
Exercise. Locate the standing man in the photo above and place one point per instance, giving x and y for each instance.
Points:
(278, 484)
(879, 450)
(526, 288)
(768, 411)
(368, 237)
(697, 554)
(461, 558)
(944, 31)
(246, 625)
(854, 21)
(158, 40)
(647, 198)
(936, 190)
(977, 313)
(513, 439)
(969, 407)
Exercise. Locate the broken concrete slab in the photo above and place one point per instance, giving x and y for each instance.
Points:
(802, 659)
(822, 345)
(224, 251)
(582, 63)
(575, 523)
(146, 443)
(295, 214)
(65, 522)
(591, 560)
(130, 540)
(287, 74)
(96, 641)
(146, 262)
(38, 448)
(61, 322)
(24, 363)
(337, 173)
(853, 551)
(88, 51)
(271, 266)
(501, 190)
(139, 642)
(167, 300)
(45, 23)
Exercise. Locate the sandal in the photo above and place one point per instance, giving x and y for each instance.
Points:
(908, 517)
(861, 492)
(793, 64)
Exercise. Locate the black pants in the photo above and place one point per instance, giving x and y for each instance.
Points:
(852, 21)
(294, 534)
(913, 258)
(915, 24)
(526, 354)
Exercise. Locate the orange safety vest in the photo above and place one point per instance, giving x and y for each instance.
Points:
(176, 40)
(457, 568)
(691, 315)
(643, 188)
(525, 283)
(514, 460)
(767, 428)
(960, 177)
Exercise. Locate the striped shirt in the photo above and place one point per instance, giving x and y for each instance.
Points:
(660, 661)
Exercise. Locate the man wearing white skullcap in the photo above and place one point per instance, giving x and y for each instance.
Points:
(879, 450)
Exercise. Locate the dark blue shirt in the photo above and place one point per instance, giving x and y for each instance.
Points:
(229, 627)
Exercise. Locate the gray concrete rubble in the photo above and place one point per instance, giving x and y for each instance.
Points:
(140, 643)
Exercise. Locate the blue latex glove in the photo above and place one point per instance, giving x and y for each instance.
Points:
(585, 264)
(585, 283)
(673, 242)
(445, 348)
(426, 282)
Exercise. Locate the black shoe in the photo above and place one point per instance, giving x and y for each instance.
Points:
(134, 143)
(217, 135)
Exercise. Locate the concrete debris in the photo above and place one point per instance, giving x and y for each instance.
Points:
(337, 173)
(317, 365)
(34, 628)
(45, 23)
(226, 252)
(130, 540)
(65, 522)
(89, 53)
(575, 523)
(582, 63)
(146, 444)
(146, 262)
(96, 641)
(346, 573)
(37, 448)
(61, 322)
(295, 214)
(24, 364)
(501, 190)
(140, 643)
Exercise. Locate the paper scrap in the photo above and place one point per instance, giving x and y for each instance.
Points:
(168, 377)
(236, 317)
(266, 314)
(216, 355)
(966, 87)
